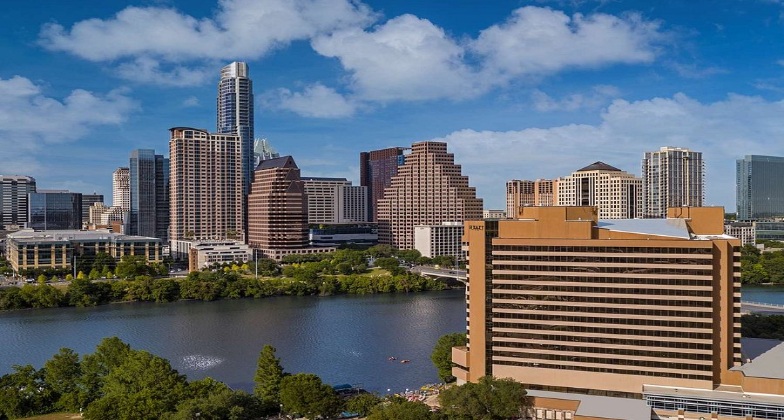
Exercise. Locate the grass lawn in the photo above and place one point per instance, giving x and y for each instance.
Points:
(55, 416)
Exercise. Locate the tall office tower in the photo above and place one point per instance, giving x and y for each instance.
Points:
(520, 193)
(584, 310)
(429, 189)
(263, 150)
(206, 178)
(121, 188)
(149, 194)
(54, 210)
(14, 191)
(760, 190)
(335, 201)
(235, 113)
(277, 207)
(671, 177)
(376, 169)
(87, 201)
(615, 192)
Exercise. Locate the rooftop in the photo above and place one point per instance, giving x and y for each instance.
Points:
(321, 178)
(599, 166)
(594, 406)
(675, 228)
(766, 358)
(69, 235)
(279, 162)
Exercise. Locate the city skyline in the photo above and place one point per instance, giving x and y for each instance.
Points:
(315, 102)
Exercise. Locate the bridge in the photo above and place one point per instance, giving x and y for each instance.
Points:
(761, 308)
(444, 273)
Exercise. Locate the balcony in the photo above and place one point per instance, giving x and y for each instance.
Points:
(460, 356)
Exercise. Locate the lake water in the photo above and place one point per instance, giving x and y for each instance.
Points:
(343, 339)
(764, 294)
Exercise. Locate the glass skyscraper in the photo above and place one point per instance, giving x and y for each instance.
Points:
(55, 210)
(235, 112)
(14, 191)
(760, 190)
(149, 194)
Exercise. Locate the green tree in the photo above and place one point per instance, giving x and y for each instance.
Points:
(61, 373)
(68, 277)
(387, 263)
(409, 255)
(223, 404)
(380, 250)
(80, 275)
(24, 393)
(442, 354)
(362, 404)
(131, 266)
(269, 374)
(94, 274)
(754, 274)
(103, 261)
(165, 290)
(402, 410)
(41, 279)
(109, 354)
(81, 293)
(489, 399)
(306, 395)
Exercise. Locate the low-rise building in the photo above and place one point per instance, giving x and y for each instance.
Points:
(771, 230)
(202, 254)
(439, 240)
(744, 231)
(364, 235)
(29, 249)
(493, 214)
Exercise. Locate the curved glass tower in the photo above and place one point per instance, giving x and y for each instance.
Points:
(235, 112)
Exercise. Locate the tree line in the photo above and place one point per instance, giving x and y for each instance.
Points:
(762, 267)
(119, 382)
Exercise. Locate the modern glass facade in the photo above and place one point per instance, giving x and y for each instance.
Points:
(760, 192)
(87, 201)
(149, 194)
(235, 113)
(55, 210)
(13, 199)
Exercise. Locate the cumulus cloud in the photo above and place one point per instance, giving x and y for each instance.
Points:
(190, 101)
(597, 97)
(316, 101)
(29, 119)
(149, 70)
(723, 130)
(240, 29)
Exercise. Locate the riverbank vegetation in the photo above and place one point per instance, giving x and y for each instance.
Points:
(762, 267)
(340, 272)
(119, 382)
(762, 326)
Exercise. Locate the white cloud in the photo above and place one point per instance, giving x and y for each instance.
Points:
(29, 119)
(317, 101)
(693, 71)
(190, 101)
(597, 97)
(149, 70)
(240, 29)
(723, 130)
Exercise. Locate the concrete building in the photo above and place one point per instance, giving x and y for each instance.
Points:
(493, 214)
(235, 114)
(277, 210)
(54, 210)
(616, 193)
(101, 215)
(206, 184)
(335, 201)
(359, 234)
(769, 230)
(376, 170)
(643, 311)
(759, 190)
(121, 188)
(87, 201)
(742, 230)
(429, 189)
(203, 254)
(14, 191)
(671, 177)
(29, 249)
(149, 186)
(521, 193)
(445, 239)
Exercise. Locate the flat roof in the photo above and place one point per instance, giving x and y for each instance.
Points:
(675, 228)
(715, 394)
(600, 406)
(769, 360)
(29, 235)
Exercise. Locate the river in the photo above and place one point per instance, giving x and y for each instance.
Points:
(343, 339)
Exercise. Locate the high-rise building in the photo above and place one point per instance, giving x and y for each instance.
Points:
(87, 201)
(235, 113)
(760, 192)
(376, 169)
(429, 189)
(14, 191)
(149, 194)
(54, 210)
(616, 193)
(520, 193)
(102, 215)
(121, 188)
(335, 201)
(206, 183)
(671, 177)
(277, 207)
(445, 239)
(584, 311)
(263, 150)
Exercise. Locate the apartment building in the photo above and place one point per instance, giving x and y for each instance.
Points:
(616, 193)
(521, 193)
(121, 188)
(335, 201)
(14, 191)
(440, 240)
(672, 177)
(376, 170)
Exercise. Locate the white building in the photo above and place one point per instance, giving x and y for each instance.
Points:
(493, 214)
(671, 177)
(121, 188)
(745, 231)
(437, 240)
(616, 193)
(102, 215)
(202, 254)
(335, 201)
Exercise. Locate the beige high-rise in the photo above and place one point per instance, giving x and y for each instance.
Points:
(429, 189)
(121, 188)
(616, 193)
(206, 184)
(521, 193)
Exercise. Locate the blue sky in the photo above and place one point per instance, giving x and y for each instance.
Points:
(519, 89)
